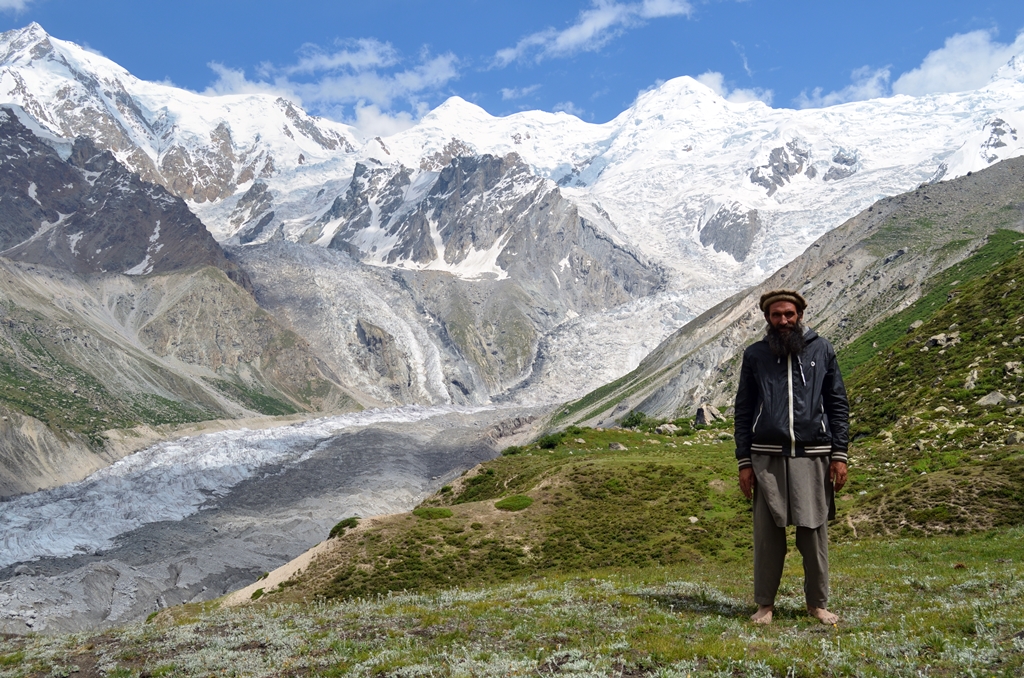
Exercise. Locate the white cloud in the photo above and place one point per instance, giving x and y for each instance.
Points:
(867, 84)
(13, 5)
(967, 61)
(568, 107)
(373, 122)
(593, 29)
(368, 53)
(363, 82)
(517, 92)
(233, 81)
(716, 81)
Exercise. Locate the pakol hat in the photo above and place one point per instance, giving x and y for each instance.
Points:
(769, 298)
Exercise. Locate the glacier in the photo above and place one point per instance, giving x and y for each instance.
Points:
(170, 481)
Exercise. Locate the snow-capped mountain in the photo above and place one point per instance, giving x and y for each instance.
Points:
(708, 195)
(201, 148)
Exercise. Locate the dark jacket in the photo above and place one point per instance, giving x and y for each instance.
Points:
(794, 406)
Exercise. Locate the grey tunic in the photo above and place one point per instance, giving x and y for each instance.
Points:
(797, 490)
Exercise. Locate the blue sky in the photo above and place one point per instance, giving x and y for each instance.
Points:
(382, 63)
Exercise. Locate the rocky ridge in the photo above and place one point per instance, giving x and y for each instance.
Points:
(854, 277)
(119, 309)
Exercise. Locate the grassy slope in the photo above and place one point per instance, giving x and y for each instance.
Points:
(616, 580)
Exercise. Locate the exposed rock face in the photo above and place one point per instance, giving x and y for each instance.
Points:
(731, 230)
(89, 214)
(495, 255)
(119, 309)
(784, 163)
(384, 357)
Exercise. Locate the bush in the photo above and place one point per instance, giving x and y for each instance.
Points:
(640, 421)
(550, 441)
(257, 594)
(516, 502)
(512, 450)
(447, 489)
(432, 512)
(339, 529)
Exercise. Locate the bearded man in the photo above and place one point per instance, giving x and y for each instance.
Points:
(792, 424)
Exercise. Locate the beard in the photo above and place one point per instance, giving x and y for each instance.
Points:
(784, 344)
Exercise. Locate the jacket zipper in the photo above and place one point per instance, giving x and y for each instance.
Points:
(823, 429)
(757, 418)
(789, 383)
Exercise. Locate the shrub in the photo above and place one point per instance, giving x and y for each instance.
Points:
(340, 528)
(516, 502)
(635, 419)
(550, 441)
(257, 594)
(512, 450)
(477, 526)
(447, 489)
(432, 512)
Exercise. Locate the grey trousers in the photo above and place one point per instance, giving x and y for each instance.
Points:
(770, 556)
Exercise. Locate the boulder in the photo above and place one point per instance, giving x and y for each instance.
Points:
(1015, 438)
(666, 429)
(992, 399)
(707, 414)
(914, 325)
(617, 446)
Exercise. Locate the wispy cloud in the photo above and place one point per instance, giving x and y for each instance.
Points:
(594, 28)
(568, 107)
(743, 57)
(716, 81)
(966, 61)
(867, 83)
(14, 5)
(517, 92)
(364, 82)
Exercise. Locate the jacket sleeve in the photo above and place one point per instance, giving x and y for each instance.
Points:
(746, 404)
(837, 408)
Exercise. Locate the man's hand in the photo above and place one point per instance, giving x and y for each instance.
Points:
(747, 481)
(837, 472)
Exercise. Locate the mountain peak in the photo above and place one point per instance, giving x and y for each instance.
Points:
(1011, 70)
(458, 108)
(32, 39)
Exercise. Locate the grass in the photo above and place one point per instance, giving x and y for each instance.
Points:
(516, 502)
(632, 562)
(74, 403)
(930, 392)
(252, 398)
(1001, 247)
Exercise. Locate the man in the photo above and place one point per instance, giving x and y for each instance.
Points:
(792, 423)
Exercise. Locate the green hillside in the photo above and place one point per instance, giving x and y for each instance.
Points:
(631, 562)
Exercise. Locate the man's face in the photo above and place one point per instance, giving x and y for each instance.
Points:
(783, 316)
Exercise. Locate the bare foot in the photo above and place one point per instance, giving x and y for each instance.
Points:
(823, 615)
(763, 614)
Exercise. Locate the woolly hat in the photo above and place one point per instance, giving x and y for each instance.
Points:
(769, 298)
